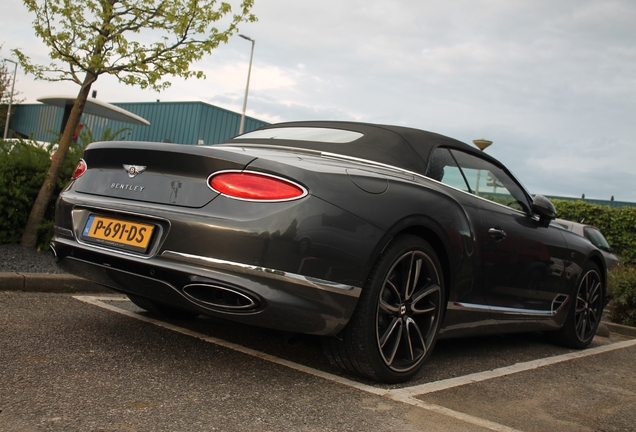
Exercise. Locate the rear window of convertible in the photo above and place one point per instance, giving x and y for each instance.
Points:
(304, 134)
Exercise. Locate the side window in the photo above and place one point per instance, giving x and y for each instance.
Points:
(491, 182)
(443, 168)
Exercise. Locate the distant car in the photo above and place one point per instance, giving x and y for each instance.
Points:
(595, 236)
(41, 144)
(379, 238)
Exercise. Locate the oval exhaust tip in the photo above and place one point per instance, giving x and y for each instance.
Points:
(220, 297)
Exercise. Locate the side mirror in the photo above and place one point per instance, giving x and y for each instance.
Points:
(544, 208)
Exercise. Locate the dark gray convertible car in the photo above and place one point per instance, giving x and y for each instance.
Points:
(379, 238)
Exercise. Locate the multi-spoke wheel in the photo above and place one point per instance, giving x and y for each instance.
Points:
(585, 311)
(396, 322)
(408, 311)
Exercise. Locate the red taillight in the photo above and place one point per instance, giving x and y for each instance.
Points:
(79, 169)
(255, 186)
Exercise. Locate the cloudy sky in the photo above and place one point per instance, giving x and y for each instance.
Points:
(551, 82)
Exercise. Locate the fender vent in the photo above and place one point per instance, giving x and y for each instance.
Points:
(559, 303)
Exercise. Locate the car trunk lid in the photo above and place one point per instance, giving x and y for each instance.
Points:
(161, 173)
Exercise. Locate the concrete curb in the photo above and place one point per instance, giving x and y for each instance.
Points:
(46, 282)
(621, 329)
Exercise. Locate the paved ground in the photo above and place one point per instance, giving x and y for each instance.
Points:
(94, 363)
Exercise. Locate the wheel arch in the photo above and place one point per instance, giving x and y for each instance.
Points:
(440, 248)
(428, 230)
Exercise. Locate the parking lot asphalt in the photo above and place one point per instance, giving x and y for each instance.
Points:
(95, 362)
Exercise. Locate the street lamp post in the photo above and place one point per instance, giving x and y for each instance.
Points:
(247, 86)
(15, 70)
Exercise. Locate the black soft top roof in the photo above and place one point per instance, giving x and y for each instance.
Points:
(398, 146)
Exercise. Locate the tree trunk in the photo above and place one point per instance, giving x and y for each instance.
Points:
(30, 235)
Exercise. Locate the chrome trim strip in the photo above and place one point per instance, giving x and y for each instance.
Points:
(113, 250)
(64, 231)
(376, 164)
(325, 155)
(512, 311)
(304, 194)
(264, 272)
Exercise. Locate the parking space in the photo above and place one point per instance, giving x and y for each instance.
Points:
(99, 363)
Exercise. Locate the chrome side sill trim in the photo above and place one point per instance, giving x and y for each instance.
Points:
(557, 306)
(263, 272)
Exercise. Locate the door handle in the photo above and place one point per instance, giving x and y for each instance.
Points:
(497, 233)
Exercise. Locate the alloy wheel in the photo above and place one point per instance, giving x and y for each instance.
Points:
(408, 311)
(589, 305)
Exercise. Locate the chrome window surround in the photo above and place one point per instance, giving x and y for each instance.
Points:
(367, 162)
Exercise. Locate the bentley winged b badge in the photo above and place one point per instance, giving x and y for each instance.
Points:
(133, 170)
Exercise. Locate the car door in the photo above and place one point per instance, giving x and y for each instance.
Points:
(522, 261)
(467, 288)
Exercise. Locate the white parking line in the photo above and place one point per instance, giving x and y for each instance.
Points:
(405, 395)
(423, 389)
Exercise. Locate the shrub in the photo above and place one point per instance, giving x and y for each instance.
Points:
(622, 286)
(22, 171)
(23, 167)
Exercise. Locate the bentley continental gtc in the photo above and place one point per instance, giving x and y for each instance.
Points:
(381, 239)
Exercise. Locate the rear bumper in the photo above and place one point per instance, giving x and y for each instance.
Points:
(248, 294)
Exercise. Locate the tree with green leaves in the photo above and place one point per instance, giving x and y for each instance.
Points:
(140, 42)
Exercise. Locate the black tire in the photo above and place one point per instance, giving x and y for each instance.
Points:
(161, 309)
(584, 311)
(395, 325)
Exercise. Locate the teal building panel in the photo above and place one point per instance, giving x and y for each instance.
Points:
(177, 122)
(40, 122)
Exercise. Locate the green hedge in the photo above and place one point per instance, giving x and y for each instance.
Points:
(23, 167)
(622, 286)
(618, 225)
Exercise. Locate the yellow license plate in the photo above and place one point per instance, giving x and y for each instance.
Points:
(118, 232)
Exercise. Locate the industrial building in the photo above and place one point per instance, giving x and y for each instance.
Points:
(177, 122)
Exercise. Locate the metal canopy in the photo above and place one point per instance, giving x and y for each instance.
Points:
(97, 108)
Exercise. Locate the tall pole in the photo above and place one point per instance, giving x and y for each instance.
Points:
(247, 86)
(6, 125)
